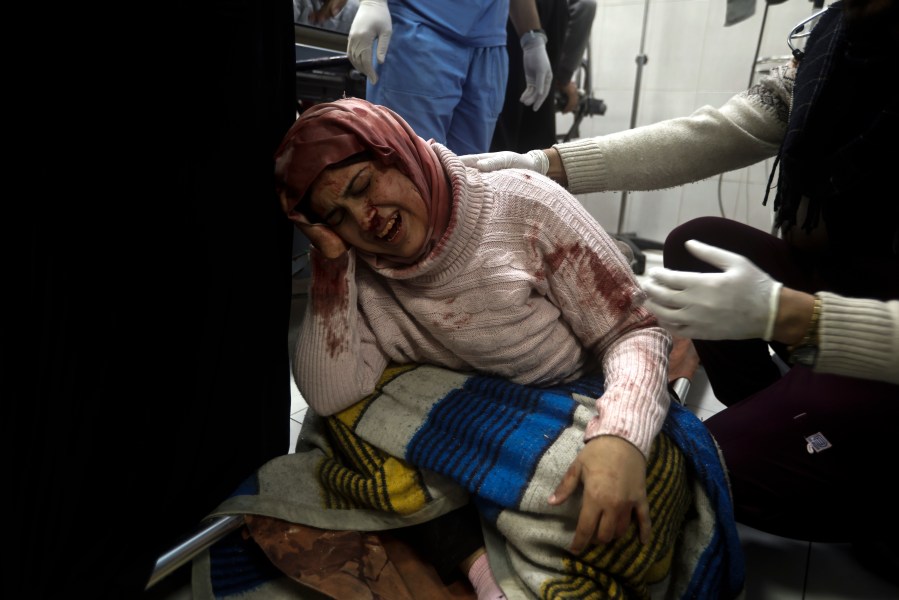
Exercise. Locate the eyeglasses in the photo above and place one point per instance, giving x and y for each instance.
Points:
(802, 30)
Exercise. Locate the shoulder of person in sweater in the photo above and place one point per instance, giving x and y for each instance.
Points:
(525, 188)
(541, 205)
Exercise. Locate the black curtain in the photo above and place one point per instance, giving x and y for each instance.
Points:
(146, 275)
(519, 128)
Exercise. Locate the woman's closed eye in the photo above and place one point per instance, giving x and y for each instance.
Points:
(334, 217)
(353, 192)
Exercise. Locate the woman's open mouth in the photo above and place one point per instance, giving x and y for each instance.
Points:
(391, 228)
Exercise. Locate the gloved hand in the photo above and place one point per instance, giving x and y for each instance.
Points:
(535, 160)
(740, 303)
(372, 21)
(537, 70)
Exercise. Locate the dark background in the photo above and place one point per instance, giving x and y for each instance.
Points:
(146, 277)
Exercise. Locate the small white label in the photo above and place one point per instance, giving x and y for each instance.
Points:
(817, 443)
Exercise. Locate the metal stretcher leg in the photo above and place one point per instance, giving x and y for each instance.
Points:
(682, 367)
(211, 532)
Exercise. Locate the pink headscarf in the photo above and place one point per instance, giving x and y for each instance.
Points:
(328, 133)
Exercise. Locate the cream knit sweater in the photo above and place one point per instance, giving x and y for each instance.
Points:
(857, 337)
(525, 284)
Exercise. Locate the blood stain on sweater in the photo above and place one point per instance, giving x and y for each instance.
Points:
(613, 287)
(329, 301)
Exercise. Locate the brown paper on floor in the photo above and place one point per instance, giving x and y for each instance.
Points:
(351, 565)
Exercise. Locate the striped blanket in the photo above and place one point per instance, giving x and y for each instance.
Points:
(429, 440)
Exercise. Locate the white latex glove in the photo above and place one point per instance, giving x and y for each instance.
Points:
(535, 160)
(372, 21)
(537, 71)
(740, 303)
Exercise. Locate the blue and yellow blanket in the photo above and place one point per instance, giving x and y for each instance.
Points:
(429, 439)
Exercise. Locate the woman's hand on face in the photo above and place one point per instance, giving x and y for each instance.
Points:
(613, 473)
(322, 237)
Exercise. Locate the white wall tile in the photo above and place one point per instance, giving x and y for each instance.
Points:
(615, 44)
(604, 206)
(728, 52)
(658, 105)
(619, 104)
(651, 215)
(674, 44)
(760, 172)
(692, 60)
(757, 215)
(700, 199)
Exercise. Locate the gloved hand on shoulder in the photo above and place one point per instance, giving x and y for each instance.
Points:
(537, 69)
(535, 160)
(372, 22)
(740, 303)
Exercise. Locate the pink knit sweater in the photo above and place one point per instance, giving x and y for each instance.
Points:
(524, 284)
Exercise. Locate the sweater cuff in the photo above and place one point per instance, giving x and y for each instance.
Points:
(858, 338)
(330, 275)
(642, 440)
(584, 164)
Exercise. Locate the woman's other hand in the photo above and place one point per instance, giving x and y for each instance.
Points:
(613, 474)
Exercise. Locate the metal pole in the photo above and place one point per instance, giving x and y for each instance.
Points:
(192, 546)
(758, 47)
(641, 60)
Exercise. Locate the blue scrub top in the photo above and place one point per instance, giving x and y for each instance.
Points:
(473, 23)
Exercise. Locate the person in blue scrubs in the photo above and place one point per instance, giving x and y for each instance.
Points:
(447, 66)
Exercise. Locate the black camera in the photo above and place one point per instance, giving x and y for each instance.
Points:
(585, 107)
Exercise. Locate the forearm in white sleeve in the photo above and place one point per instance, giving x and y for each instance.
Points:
(858, 337)
(745, 130)
(636, 397)
(600, 300)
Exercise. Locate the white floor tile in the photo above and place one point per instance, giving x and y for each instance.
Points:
(701, 396)
(834, 574)
(297, 402)
(295, 426)
(775, 566)
(702, 413)
(298, 408)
